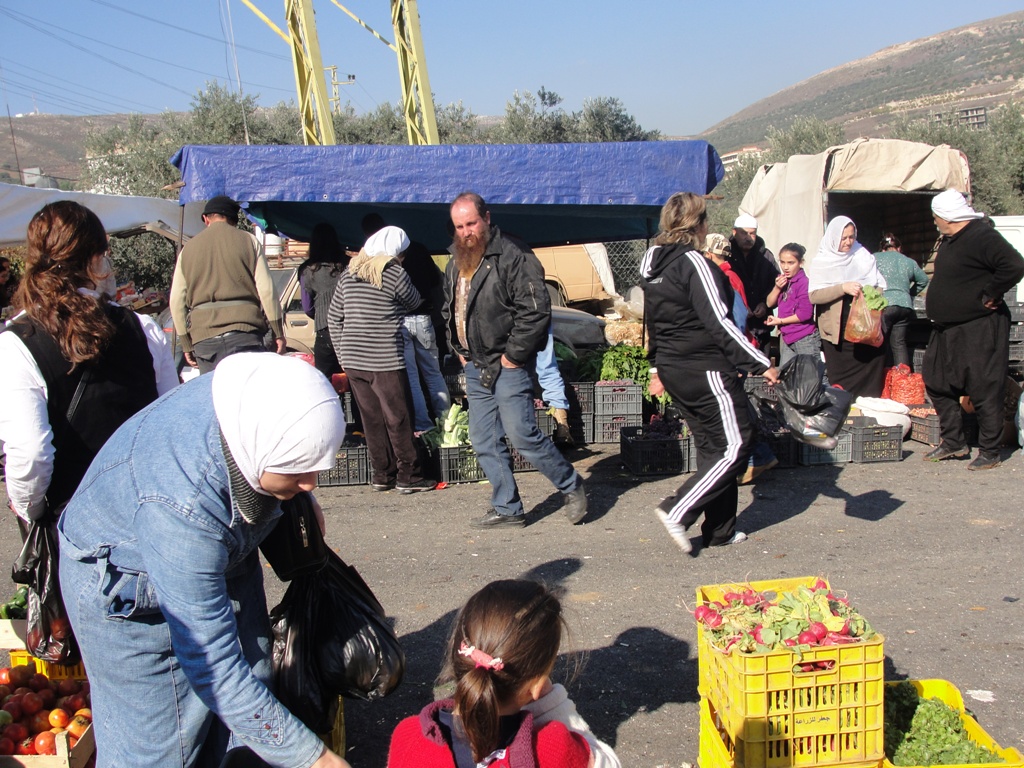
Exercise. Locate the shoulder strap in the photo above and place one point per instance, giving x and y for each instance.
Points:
(77, 397)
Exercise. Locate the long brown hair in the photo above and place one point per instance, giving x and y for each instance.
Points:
(680, 217)
(520, 623)
(63, 238)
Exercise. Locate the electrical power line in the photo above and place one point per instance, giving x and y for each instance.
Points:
(111, 100)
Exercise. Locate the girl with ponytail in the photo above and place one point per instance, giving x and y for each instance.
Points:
(505, 713)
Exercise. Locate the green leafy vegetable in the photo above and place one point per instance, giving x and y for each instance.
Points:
(874, 298)
(927, 732)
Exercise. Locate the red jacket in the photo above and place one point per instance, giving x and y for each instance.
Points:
(418, 742)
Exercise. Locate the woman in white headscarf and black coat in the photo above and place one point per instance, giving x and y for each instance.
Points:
(839, 272)
(161, 577)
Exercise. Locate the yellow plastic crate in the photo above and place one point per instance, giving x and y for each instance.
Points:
(948, 694)
(775, 717)
(52, 671)
(717, 750)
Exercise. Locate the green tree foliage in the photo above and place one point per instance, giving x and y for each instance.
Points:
(540, 119)
(995, 154)
(147, 259)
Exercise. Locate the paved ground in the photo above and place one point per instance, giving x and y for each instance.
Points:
(931, 554)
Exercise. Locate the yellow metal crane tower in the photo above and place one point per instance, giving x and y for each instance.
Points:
(417, 99)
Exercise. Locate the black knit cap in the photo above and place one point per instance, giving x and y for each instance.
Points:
(221, 205)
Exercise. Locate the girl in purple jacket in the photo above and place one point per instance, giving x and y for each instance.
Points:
(795, 318)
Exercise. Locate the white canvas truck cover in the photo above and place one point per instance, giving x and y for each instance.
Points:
(788, 199)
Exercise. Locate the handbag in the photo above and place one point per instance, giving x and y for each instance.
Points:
(864, 325)
(295, 546)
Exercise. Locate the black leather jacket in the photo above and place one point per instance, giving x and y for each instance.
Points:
(508, 309)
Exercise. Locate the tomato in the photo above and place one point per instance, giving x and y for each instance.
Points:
(59, 718)
(26, 746)
(46, 743)
(38, 682)
(16, 732)
(5, 691)
(49, 698)
(78, 726)
(5, 676)
(31, 703)
(60, 628)
(84, 712)
(14, 708)
(21, 674)
(6, 746)
(22, 690)
(72, 740)
(77, 701)
(85, 687)
(68, 687)
(5, 718)
(39, 722)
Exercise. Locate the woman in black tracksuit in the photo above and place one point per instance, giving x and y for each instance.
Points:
(697, 349)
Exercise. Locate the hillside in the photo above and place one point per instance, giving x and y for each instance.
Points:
(980, 64)
(54, 143)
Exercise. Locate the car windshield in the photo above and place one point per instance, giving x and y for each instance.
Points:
(281, 278)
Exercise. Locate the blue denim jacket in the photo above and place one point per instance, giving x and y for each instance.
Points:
(154, 512)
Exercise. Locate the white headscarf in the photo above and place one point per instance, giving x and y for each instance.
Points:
(388, 241)
(952, 206)
(278, 414)
(833, 267)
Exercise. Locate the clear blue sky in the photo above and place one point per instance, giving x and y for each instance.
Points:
(677, 66)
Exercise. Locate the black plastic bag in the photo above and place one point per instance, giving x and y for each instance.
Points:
(331, 638)
(799, 384)
(818, 429)
(49, 636)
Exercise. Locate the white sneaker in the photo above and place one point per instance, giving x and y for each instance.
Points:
(738, 537)
(676, 531)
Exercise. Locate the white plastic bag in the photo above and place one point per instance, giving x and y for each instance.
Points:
(888, 413)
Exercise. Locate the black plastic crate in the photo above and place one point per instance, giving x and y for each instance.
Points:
(1016, 311)
(581, 396)
(1017, 332)
(924, 429)
(785, 447)
(606, 428)
(873, 442)
(841, 454)
(347, 406)
(918, 358)
(644, 454)
(351, 467)
(581, 427)
(618, 400)
(456, 383)
(519, 462)
(545, 421)
(756, 385)
(460, 465)
(1016, 351)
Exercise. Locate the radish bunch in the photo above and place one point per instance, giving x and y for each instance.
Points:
(758, 622)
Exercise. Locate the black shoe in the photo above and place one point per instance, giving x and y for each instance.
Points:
(986, 460)
(945, 452)
(425, 484)
(493, 520)
(576, 503)
(388, 486)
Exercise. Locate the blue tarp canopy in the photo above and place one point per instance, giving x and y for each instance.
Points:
(546, 194)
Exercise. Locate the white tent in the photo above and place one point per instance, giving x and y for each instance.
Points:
(119, 213)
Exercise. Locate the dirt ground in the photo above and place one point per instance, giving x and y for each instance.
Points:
(929, 553)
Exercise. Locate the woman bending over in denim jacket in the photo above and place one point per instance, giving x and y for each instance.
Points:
(161, 575)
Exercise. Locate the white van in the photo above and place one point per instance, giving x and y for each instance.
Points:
(1012, 228)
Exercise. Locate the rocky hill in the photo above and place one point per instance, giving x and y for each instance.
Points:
(980, 64)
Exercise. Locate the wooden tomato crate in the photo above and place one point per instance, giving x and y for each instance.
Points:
(12, 639)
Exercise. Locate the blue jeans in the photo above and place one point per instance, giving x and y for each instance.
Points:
(508, 410)
(550, 377)
(420, 349)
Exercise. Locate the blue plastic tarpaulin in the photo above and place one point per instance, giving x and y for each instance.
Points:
(545, 194)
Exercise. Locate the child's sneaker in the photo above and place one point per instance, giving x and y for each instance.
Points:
(737, 538)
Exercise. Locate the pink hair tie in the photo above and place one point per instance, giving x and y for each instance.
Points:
(480, 658)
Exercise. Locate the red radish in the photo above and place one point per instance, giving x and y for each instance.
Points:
(700, 612)
(731, 596)
(789, 641)
(807, 638)
(713, 619)
(818, 629)
(819, 584)
(846, 628)
(806, 667)
(757, 635)
(751, 598)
